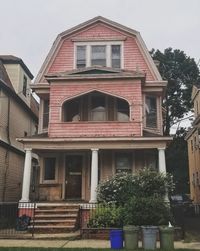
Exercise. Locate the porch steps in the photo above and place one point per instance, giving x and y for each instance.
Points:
(55, 218)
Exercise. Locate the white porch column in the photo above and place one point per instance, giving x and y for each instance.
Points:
(94, 175)
(162, 167)
(26, 176)
(161, 160)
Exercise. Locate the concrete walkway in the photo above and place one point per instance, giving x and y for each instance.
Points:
(77, 244)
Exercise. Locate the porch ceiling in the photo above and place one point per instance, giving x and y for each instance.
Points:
(100, 143)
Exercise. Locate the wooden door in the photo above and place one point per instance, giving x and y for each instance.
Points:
(73, 177)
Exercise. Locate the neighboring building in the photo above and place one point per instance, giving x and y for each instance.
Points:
(193, 141)
(100, 111)
(18, 118)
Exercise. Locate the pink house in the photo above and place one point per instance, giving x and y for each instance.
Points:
(100, 112)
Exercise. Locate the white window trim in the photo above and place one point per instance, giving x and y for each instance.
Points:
(108, 52)
(43, 181)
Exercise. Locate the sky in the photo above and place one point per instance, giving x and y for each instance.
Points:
(29, 27)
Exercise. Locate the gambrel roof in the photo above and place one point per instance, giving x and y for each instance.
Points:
(105, 21)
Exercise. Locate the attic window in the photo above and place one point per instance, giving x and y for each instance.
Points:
(81, 56)
(107, 54)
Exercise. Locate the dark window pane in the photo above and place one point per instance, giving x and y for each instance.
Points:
(72, 110)
(98, 56)
(81, 56)
(24, 85)
(116, 56)
(123, 162)
(49, 168)
(46, 114)
(151, 112)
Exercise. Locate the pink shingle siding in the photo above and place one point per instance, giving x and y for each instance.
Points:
(133, 58)
(129, 90)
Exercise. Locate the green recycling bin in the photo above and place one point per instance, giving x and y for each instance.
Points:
(131, 237)
(166, 238)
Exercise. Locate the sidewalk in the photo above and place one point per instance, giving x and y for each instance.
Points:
(77, 244)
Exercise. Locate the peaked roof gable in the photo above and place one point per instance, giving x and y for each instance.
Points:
(99, 19)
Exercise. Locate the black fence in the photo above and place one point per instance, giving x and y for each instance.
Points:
(16, 220)
(94, 216)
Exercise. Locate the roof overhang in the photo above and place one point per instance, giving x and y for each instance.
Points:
(100, 143)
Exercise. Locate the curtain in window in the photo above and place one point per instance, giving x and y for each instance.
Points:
(98, 55)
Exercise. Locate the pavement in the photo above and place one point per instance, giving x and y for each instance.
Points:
(74, 243)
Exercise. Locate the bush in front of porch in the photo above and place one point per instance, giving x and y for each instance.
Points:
(139, 199)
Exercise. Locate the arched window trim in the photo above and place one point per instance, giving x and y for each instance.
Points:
(110, 114)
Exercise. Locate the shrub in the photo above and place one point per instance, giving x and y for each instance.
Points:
(117, 190)
(146, 211)
(122, 187)
(105, 217)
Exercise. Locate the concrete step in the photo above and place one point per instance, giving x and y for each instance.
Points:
(48, 221)
(56, 216)
(51, 227)
(57, 210)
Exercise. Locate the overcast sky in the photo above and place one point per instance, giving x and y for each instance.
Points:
(29, 27)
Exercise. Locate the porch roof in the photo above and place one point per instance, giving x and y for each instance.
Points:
(43, 142)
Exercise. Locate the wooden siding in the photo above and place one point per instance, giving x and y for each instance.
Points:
(130, 91)
(55, 191)
(133, 58)
(11, 174)
(20, 121)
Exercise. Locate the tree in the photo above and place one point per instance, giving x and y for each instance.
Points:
(177, 161)
(181, 72)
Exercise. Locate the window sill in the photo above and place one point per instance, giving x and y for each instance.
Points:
(44, 184)
(94, 122)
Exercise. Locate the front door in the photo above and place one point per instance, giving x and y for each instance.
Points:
(73, 177)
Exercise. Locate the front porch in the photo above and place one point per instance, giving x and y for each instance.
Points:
(70, 170)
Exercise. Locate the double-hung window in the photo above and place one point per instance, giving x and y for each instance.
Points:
(107, 54)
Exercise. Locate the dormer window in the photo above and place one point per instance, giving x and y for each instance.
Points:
(81, 56)
(106, 54)
(98, 56)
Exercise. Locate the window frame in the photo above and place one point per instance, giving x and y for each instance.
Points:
(122, 154)
(43, 180)
(25, 85)
(108, 45)
(44, 102)
(157, 111)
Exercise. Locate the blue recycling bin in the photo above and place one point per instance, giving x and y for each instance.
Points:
(116, 239)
